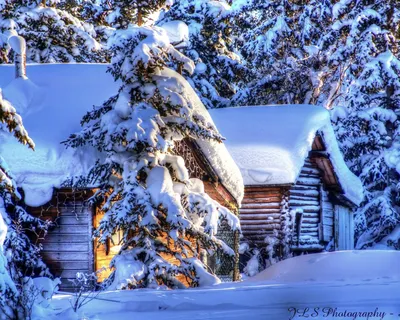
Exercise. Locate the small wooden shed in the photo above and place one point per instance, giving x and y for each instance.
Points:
(293, 171)
(52, 102)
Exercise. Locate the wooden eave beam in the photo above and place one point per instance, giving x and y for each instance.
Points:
(207, 167)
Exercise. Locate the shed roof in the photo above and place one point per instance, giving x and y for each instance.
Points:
(271, 143)
(52, 102)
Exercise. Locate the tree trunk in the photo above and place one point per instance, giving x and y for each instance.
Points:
(139, 17)
(180, 68)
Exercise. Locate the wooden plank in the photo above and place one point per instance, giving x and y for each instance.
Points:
(67, 265)
(66, 247)
(70, 229)
(65, 256)
(68, 238)
(71, 220)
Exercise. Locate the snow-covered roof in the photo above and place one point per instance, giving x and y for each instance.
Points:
(52, 102)
(271, 143)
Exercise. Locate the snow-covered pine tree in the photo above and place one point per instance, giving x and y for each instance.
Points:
(19, 257)
(52, 34)
(121, 13)
(364, 44)
(280, 43)
(145, 189)
(219, 71)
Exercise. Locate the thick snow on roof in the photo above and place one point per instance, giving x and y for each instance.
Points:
(52, 102)
(216, 153)
(271, 143)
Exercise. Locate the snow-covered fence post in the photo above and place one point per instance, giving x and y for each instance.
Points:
(18, 44)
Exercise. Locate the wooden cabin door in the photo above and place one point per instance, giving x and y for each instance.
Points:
(344, 228)
(68, 246)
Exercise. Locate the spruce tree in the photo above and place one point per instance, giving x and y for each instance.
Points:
(281, 43)
(19, 257)
(366, 55)
(145, 187)
(220, 72)
(121, 13)
(52, 34)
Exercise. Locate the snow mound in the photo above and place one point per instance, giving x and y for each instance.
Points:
(340, 266)
(271, 143)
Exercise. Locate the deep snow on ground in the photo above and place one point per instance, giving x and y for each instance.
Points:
(267, 296)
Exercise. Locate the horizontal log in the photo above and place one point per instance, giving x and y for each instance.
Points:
(246, 228)
(259, 237)
(303, 196)
(308, 182)
(307, 208)
(249, 200)
(304, 193)
(268, 209)
(311, 220)
(261, 206)
(301, 203)
(304, 175)
(307, 233)
(302, 188)
(264, 222)
(310, 168)
(255, 195)
(257, 222)
(309, 227)
(250, 188)
(274, 216)
(260, 230)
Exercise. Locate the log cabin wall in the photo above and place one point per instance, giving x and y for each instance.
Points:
(68, 246)
(305, 200)
(260, 213)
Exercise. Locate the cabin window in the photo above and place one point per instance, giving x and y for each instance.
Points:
(114, 243)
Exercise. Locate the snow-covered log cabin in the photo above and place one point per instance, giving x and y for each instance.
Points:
(293, 171)
(52, 102)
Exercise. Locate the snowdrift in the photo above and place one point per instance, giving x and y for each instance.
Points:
(339, 266)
